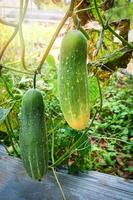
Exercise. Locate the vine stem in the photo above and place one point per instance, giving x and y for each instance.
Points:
(59, 185)
(108, 27)
(8, 42)
(83, 10)
(52, 148)
(7, 23)
(18, 71)
(111, 138)
(21, 34)
(76, 21)
(34, 80)
(7, 87)
(54, 172)
(100, 93)
(79, 4)
(61, 24)
(15, 31)
(10, 136)
(119, 37)
(69, 152)
(97, 10)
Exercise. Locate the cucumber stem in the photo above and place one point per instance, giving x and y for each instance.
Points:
(34, 80)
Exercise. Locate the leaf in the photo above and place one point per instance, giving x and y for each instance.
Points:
(51, 61)
(24, 80)
(93, 90)
(130, 169)
(94, 10)
(4, 113)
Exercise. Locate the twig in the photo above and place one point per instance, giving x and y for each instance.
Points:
(68, 14)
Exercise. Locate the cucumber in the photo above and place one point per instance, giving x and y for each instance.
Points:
(33, 135)
(73, 80)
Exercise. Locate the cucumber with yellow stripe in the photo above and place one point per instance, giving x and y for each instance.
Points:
(33, 135)
(73, 80)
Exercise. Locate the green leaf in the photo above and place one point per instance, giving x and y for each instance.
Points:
(51, 61)
(93, 90)
(4, 113)
(130, 169)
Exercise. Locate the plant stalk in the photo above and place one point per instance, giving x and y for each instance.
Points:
(68, 14)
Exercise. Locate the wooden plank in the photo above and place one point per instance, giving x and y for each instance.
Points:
(16, 185)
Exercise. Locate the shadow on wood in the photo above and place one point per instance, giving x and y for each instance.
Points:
(16, 185)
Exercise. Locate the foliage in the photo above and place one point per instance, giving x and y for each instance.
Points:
(112, 132)
(122, 9)
(106, 147)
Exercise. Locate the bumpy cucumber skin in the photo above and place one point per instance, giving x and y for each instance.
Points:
(33, 135)
(73, 80)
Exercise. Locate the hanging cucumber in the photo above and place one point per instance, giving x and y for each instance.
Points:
(73, 80)
(33, 135)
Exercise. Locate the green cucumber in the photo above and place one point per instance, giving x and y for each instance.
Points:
(33, 135)
(73, 80)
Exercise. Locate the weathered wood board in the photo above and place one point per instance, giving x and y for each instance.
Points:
(16, 185)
